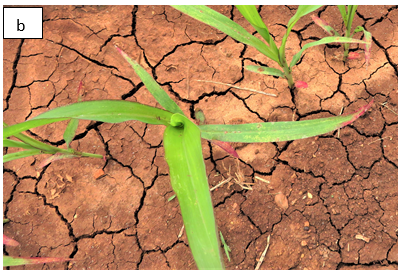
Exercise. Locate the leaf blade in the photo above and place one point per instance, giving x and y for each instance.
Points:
(229, 27)
(109, 111)
(13, 143)
(278, 131)
(70, 131)
(301, 11)
(322, 41)
(20, 154)
(252, 15)
(265, 70)
(17, 128)
(14, 261)
(183, 153)
(156, 91)
(324, 25)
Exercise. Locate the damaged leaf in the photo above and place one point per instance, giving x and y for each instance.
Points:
(56, 157)
(278, 131)
(324, 25)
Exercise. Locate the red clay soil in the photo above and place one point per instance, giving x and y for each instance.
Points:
(341, 187)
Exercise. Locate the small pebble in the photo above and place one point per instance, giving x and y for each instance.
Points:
(306, 226)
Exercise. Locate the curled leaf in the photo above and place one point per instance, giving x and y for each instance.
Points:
(301, 84)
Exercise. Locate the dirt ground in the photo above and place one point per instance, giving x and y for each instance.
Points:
(341, 187)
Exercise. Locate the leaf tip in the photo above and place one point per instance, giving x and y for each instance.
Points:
(120, 51)
(226, 147)
(357, 114)
(9, 242)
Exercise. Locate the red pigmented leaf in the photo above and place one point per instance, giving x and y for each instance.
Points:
(353, 55)
(324, 25)
(301, 84)
(56, 157)
(357, 114)
(8, 241)
(201, 119)
(368, 39)
(226, 146)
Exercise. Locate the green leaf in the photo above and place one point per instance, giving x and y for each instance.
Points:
(199, 115)
(183, 153)
(20, 154)
(252, 15)
(13, 261)
(172, 197)
(322, 41)
(227, 249)
(301, 11)
(350, 18)
(159, 94)
(12, 143)
(17, 128)
(109, 111)
(278, 131)
(70, 131)
(229, 27)
(48, 149)
(342, 9)
(265, 70)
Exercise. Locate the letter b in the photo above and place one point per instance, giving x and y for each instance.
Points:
(20, 24)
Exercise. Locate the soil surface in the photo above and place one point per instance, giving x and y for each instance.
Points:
(341, 188)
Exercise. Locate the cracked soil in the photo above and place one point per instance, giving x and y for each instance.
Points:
(341, 187)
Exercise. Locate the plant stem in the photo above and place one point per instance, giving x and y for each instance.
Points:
(85, 154)
(288, 76)
(350, 17)
(346, 46)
